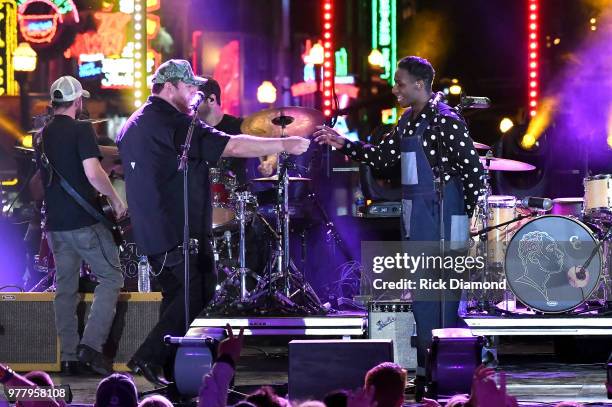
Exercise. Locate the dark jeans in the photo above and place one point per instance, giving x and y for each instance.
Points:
(170, 274)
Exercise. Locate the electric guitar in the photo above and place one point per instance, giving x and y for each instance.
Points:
(109, 214)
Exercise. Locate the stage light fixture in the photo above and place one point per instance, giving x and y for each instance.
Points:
(455, 90)
(505, 125)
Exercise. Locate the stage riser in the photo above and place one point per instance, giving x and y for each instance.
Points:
(28, 339)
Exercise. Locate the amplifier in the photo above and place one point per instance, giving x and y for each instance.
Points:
(28, 340)
(394, 320)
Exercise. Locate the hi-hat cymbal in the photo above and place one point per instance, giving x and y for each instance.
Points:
(481, 146)
(503, 164)
(291, 121)
(274, 178)
(27, 150)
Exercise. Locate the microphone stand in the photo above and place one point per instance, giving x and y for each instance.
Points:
(439, 182)
(184, 167)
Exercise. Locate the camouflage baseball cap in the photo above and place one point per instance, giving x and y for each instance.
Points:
(177, 69)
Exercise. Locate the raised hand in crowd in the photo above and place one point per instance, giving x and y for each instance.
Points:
(485, 391)
(232, 345)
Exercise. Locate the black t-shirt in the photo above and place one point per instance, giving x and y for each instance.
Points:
(67, 142)
(238, 166)
(149, 146)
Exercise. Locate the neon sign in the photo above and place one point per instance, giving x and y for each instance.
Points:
(384, 35)
(109, 39)
(8, 44)
(60, 6)
(42, 28)
(341, 62)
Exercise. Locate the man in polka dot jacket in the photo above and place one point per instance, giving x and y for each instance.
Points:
(428, 128)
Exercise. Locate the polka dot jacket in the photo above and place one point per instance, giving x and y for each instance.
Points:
(459, 155)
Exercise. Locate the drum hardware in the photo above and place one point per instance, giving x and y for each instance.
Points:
(484, 214)
(283, 282)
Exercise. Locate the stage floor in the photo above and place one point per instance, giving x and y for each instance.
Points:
(535, 375)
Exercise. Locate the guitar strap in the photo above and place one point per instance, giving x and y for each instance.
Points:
(89, 208)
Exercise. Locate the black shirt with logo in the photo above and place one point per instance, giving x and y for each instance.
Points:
(67, 143)
(150, 145)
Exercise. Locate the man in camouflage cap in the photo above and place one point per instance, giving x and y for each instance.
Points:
(149, 145)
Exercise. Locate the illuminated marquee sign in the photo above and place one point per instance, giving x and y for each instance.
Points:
(384, 35)
(42, 28)
(8, 44)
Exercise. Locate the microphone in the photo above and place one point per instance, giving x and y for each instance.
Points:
(475, 102)
(197, 100)
(533, 202)
(227, 235)
(437, 98)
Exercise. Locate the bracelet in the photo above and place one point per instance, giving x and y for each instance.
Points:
(227, 359)
(6, 374)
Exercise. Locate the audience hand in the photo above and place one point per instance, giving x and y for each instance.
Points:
(484, 388)
(327, 135)
(231, 346)
(295, 145)
(429, 403)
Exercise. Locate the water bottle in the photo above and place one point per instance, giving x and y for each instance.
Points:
(144, 285)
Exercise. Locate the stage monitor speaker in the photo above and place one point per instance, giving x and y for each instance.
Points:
(317, 367)
(395, 321)
(452, 360)
(28, 340)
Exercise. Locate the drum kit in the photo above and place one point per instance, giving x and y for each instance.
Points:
(281, 287)
(554, 259)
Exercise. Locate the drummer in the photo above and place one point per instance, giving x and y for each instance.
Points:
(211, 113)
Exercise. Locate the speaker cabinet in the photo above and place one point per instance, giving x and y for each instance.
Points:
(317, 367)
(28, 339)
(395, 321)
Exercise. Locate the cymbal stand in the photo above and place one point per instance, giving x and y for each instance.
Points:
(484, 215)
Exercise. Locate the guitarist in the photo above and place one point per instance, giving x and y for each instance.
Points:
(67, 148)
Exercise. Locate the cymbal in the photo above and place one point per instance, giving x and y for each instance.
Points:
(24, 149)
(503, 164)
(274, 178)
(298, 121)
(481, 146)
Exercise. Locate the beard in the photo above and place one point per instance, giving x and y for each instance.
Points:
(181, 104)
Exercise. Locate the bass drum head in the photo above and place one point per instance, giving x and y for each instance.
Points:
(545, 264)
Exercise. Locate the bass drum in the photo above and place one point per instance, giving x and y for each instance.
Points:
(553, 263)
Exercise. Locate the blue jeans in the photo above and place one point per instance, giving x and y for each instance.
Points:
(95, 245)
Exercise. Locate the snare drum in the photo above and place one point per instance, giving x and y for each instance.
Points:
(546, 263)
(221, 189)
(567, 207)
(598, 196)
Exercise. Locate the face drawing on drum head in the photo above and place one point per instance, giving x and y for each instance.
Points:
(541, 257)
